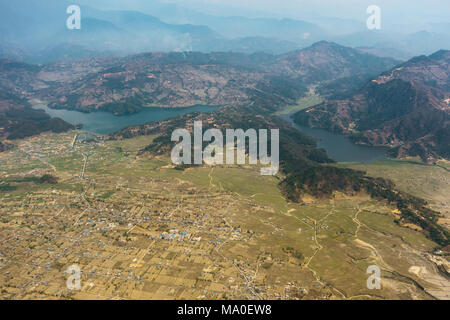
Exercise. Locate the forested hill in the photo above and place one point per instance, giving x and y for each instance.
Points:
(406, 108)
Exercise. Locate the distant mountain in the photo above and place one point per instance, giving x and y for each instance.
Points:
(328, 61)
(229, 26)
(398, 45)
(162, 79)
(126, 85)
(141, 32)
(35, 31)
(65, 52)
(300, 32)
(46, 39)
(406, 108)
(386, 52)
(251, 45)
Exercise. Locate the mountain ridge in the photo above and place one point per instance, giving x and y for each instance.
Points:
(406, 108)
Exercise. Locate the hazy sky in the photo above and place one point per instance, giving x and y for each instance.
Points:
(395, 11)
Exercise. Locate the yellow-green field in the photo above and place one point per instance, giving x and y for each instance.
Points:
(429, 182)
(303, 103)
(113, 213)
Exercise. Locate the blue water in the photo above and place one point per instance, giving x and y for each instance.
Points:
(339, 147)
(105, 122)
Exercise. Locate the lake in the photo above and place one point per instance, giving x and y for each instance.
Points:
(339, 147)
(104, 122)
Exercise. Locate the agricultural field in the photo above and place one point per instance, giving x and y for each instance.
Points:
(310, 100)
(430, 182)
(139, 228)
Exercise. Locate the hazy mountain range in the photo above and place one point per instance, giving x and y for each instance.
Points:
(129, 84)
(191, 63)
(35, 31)
(126, 85)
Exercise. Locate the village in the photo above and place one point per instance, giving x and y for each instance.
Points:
(151, 240)
(137, 228)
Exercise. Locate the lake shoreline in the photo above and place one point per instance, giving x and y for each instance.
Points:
(339, 147)
(103, 123)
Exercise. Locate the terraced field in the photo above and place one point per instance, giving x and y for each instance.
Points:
(139, 228)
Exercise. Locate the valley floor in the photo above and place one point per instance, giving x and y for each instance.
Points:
(429, 182)
(140, 229)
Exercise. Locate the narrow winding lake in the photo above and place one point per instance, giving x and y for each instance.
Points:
(339, 147)
(105, 122)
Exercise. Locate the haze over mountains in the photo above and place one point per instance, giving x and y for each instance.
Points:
(35, 31)
(152, 53)
(126, 85)
(405, 108)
